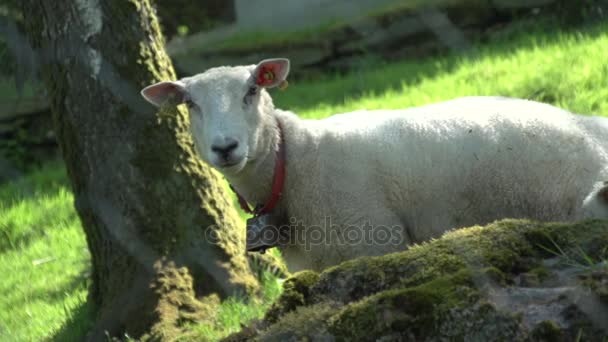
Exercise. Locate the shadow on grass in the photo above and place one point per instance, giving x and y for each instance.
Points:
(378, 77)
(44, 182)
(58, 295)
(80, 321)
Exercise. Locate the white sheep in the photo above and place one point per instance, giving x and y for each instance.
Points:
(353, 178)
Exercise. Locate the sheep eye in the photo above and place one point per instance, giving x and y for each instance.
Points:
(190, 104)
(252, 91)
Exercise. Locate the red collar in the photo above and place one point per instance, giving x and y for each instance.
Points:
(277, 183)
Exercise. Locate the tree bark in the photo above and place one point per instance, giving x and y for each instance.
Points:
(146, 202)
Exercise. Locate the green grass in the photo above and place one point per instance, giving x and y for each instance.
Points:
(567, 69)
(236, 312)
(43, 256)
(38, 222)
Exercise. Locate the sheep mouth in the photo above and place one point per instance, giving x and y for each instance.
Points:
(227, 165)
(231, 166)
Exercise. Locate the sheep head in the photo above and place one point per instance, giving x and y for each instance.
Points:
(227, 106)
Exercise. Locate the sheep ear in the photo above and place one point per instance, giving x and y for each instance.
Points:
(271, 73)
(160, 92)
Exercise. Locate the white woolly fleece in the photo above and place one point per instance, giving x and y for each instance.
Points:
(433, 168)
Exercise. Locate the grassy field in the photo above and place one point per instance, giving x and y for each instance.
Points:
(43, 257)
(567, 69)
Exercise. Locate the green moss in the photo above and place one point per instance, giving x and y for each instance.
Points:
(565, 242)
(547, 240)
(481, 321)
(547, 331)
(447, 307)
(296, 292)
(178, 305)
(494, 275)
(364, 276)
(502, 248)
(542, 273)
(437, 290)
(597, 281)
(303, 324)
(410, 310)
(140, 58)
(596, 249)
(508, 247)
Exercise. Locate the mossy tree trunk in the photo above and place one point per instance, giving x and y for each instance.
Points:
(146, 203)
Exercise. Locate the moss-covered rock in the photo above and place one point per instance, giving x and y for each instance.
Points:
(296, 293)
(305, 323)
(547, 331)
(511, 280)
(597, 282)
(412, 311)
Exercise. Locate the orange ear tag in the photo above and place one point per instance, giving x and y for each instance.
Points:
(283, 85)
(265, 77)
(268, 76)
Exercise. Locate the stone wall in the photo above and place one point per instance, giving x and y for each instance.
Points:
(293, 14)
(399, 32)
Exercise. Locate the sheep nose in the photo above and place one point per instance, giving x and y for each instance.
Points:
(225, 149)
